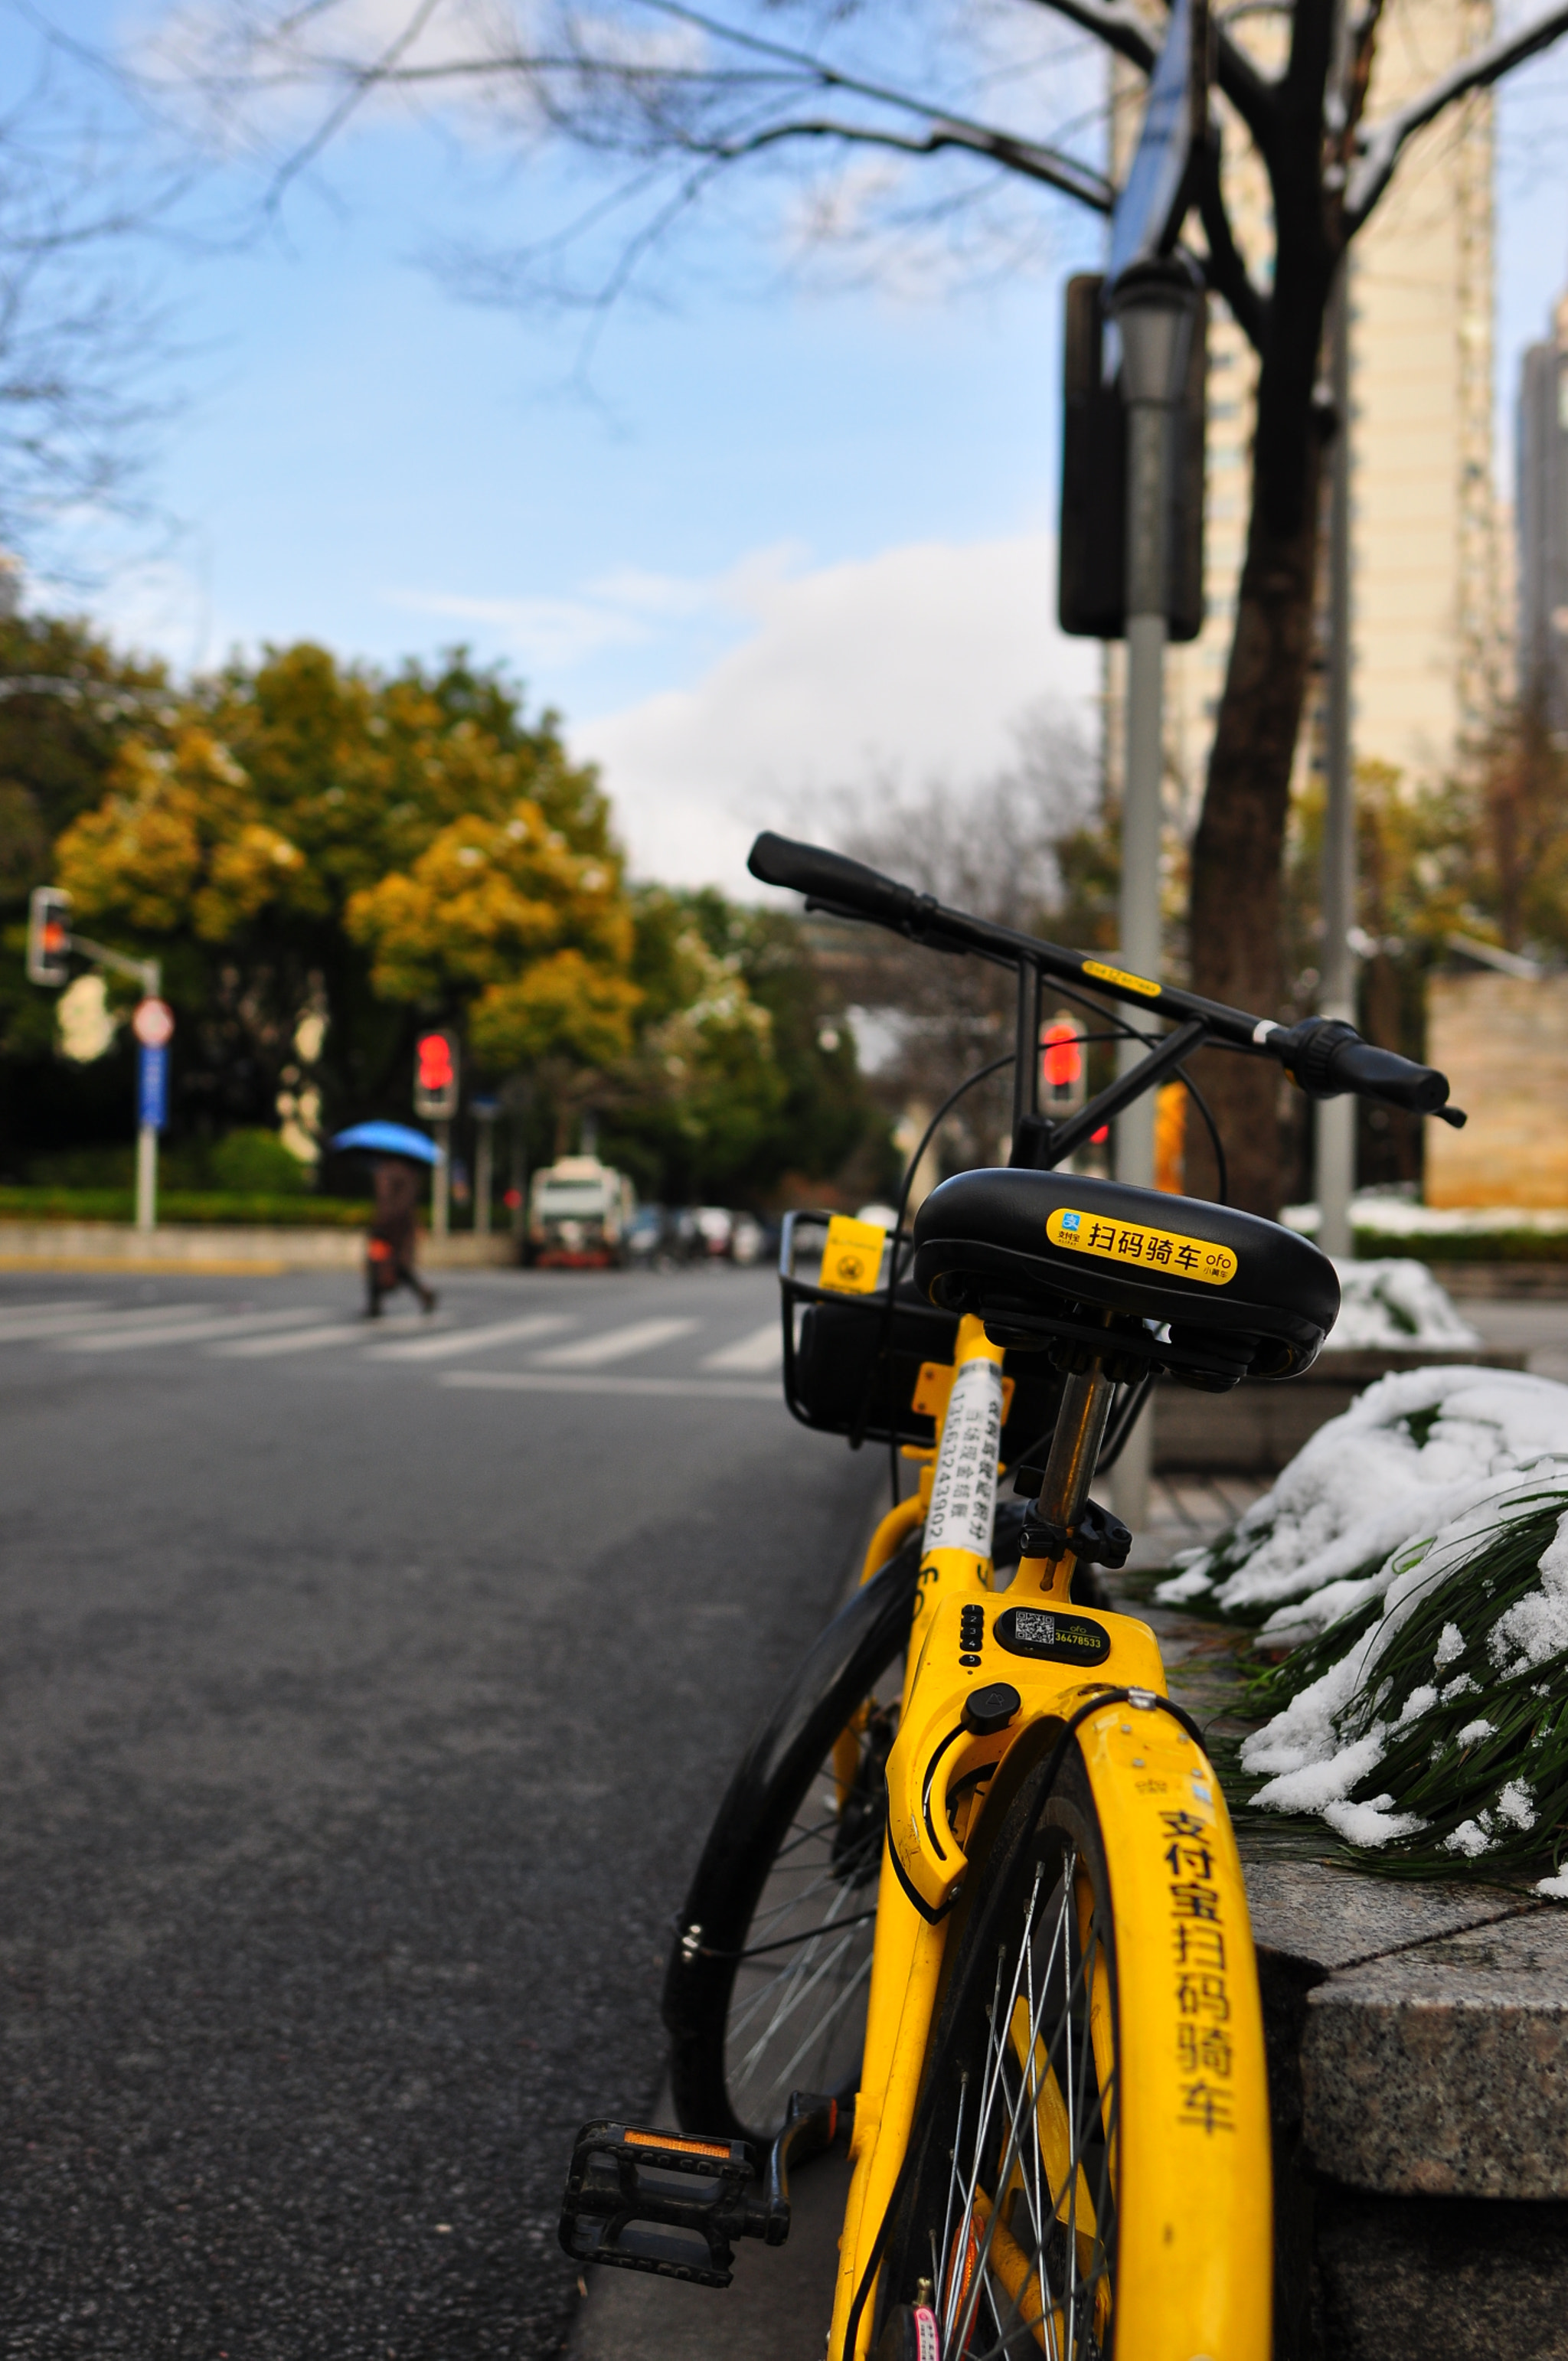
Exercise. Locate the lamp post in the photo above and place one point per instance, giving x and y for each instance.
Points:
(1154, 306)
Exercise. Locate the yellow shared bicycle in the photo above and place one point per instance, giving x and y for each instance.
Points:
(972, 1899)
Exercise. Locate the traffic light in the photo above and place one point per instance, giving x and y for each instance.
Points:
(435, 1076)
(1091, 548)
(49, 937)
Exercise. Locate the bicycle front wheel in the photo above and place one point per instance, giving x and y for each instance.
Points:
(1089, 2163)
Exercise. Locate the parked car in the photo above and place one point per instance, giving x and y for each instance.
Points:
(578, 1212)
(747, 1239)
(647, 1236)
(715, 1233)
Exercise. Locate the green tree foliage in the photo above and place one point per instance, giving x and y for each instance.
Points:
(233, 842)
(744, 1082)
(322, 857)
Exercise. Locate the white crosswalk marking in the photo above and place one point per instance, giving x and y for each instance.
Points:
(762, 1349)
(616, 1344)
(303, 1340)
(188, 1330)
(472, 1340)
(568, 1381)
(16, 1326)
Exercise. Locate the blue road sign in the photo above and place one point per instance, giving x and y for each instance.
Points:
(152, 1087)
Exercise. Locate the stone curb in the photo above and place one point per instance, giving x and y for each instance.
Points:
(218, 1249)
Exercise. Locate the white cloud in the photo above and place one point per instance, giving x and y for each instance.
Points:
(626, 607)
(917, 660)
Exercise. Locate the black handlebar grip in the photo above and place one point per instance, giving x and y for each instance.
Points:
(1327, 1058)
(1381, 1074)
(833, 877)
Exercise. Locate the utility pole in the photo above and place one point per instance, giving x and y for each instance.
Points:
(484, 1112)
(1335, 1118)
(1154, 306)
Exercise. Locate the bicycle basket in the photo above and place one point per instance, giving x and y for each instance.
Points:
(851, 1369)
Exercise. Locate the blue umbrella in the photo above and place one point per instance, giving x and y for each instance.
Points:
(389, 1139)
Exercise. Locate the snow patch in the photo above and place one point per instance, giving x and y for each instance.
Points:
(1388, 1305)
(1412, 1454)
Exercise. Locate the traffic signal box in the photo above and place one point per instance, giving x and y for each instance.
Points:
(436, 1076)
(1093, 543)
(49, 937)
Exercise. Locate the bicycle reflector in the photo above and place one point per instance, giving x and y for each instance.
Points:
(436, 1076)
(49, 937)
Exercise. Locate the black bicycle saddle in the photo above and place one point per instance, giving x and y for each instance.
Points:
(1205, 1293)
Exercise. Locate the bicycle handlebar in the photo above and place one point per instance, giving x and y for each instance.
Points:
(1327, 1058)
(833, 877)
(1323, 1057)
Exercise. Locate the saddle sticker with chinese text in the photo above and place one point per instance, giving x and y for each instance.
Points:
(1129, 1241)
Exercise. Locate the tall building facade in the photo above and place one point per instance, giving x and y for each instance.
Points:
(1543, 522)
(1430, 642)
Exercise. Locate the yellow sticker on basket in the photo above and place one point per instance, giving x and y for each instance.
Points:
(852, 1260)
(1119, 975)
(1128, 1241)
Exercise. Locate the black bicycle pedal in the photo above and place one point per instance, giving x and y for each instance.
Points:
(674, 2203)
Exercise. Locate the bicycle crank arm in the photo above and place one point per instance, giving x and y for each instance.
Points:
(669, 2203)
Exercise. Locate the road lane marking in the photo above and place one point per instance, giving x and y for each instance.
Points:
(540, 1381)
(615, 1345)
(303, 1340)
(761, 1350)
(472, 1340)
(190, 1330)
(49, 1320)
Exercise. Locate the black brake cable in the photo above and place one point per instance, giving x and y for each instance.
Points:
(1222, 1177)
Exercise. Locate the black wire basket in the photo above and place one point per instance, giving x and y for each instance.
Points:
(852, 1364)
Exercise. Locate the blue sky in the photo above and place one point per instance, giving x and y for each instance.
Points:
(789, 537)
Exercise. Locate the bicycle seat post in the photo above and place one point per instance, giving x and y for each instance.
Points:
(1069, 1467)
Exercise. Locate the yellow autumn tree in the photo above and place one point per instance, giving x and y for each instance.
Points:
(507, 918)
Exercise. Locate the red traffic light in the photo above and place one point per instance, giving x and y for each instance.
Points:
(49, 937)
(435, 1055)
(436, 1076)
(1062, 1063)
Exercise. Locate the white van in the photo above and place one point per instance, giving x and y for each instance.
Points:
(578, 1211)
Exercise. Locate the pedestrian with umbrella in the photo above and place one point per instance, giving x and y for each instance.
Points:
(398, 1152)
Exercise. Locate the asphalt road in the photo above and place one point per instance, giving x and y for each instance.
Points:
(365, 1700)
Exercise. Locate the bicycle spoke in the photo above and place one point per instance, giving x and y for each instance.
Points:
(1022, 2264)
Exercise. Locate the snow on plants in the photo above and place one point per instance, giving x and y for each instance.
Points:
(1414, 1452)
(1413, 1560)
(1428, 1722)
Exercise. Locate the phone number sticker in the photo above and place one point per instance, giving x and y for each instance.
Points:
(1128, 1241)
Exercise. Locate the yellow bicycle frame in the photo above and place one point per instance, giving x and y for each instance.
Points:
(1193, 2272)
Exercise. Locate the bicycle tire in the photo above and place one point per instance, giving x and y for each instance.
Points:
(812, 1919)
(1046, 2205)
(739, 1886)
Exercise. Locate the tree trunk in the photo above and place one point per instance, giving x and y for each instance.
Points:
(1237, 853)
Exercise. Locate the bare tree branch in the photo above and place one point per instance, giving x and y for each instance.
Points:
(1016, 155)
(1383, 143)
(1223, 267)
(1029, 157)
(1116, 23)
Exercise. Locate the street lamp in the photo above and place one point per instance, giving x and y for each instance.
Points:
(1155, 306)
